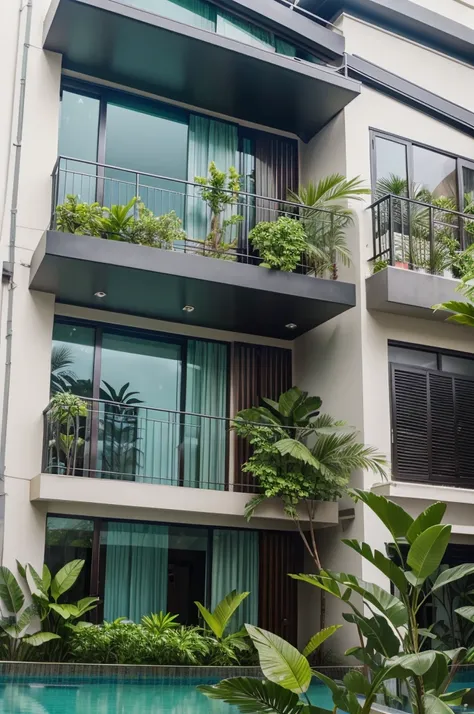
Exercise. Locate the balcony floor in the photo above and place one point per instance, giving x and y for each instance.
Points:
(158, 283)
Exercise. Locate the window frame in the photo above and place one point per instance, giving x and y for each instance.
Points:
(461, 161)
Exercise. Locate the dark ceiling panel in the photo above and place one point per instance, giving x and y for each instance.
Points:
(113, 41)
(156, 283)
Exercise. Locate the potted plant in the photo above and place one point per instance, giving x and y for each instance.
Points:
(279, 243)
(66, 411)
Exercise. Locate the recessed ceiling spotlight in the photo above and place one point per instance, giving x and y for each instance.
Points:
(291, 326)
(99, 294)
(188, 308)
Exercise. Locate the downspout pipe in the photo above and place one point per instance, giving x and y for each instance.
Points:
(12, 242)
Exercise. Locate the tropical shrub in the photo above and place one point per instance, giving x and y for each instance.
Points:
(392, 645)
(160, 622)
(156, 231)
(83, 219)
(279, 243)
(17, 642)
(225, 649)
(118, 221)
(219, 190)
(65, 414)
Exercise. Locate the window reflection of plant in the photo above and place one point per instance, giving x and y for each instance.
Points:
(64, 379)
(119, 432)
(449, 629)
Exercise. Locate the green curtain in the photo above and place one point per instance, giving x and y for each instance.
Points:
(284, 48)
(196, 13)
(206, 393)
(243, 31)
(136, 570)
(235, 561)
(209, 140)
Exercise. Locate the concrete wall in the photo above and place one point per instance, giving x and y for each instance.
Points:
(461, 11)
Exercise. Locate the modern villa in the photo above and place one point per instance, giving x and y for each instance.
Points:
(109, 103)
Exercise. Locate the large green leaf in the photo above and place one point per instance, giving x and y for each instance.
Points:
(46, 578)
(211, 621)
(322, 581)
(39, 638)
(280, 662)
(452, 574)
(318, 639)
(297, 450)
(307, 409)
(252, 696)
(435, 678)
(434, 705)
(289, 400)
(10, 592)
(356, 682)
(86, 604)
(65, 578)
(431, 516)
(219, 619)
(466, 612)
(390, 605)
(417, 664)
(65, 610)
(26, 617)
(384, 564)
(454, 697)
(380, 636)
(427, 550)
(38, 582)
(392, 515)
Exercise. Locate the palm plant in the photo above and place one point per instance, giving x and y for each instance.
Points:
(301, 456)
(62, 378)
(461, 311)
(119, 220)
(325, 219)
(119, 430)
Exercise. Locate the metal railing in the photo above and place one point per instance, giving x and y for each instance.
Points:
(110, 185)
(418, 236)
(143, 444)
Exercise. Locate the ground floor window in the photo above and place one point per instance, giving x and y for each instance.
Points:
(140, 568)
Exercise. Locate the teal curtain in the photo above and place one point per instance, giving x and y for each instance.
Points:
(136, 570)
(284, 48)
(235, 561)
(196, 13)
(209, 140)
(206, 393)
(243, 31)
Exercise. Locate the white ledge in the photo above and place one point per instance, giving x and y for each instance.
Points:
(425, 492)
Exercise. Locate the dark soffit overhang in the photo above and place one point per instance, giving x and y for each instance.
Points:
(158, 283)
(113, 41)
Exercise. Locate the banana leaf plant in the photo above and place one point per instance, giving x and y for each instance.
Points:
(392, 645)
(17, 621)
(218, 621)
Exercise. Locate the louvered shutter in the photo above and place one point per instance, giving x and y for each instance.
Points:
(443, 427)
(410, 423)
(464, 396)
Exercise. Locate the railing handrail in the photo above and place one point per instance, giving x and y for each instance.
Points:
(468, 216)
(57, 167)
(178, 412)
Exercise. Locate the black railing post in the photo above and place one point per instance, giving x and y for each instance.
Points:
(45, 451)
(390, 230)
(432, 240)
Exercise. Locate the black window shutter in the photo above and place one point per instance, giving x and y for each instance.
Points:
(410, 424)
(464, 396)
(443, 427)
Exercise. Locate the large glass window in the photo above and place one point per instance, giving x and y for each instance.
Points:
(391, 167)
(139, 568)
(72, 359)
(434, 174)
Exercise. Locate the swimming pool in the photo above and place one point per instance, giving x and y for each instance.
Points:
(161, 697)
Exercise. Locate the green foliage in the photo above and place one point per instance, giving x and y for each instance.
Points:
(160, 622)
(80, 218)
(280, 243)
(156, 231)
(462, 312)
(118, 222)
(220, 191)
(379, 265)
(218, 620)
(122, 642)
(16, 621)
(65, 414)
(326, 219)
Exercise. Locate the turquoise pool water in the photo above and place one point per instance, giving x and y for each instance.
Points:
(112, 698)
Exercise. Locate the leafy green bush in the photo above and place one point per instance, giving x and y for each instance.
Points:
(156, 231)
(279, 243)
(80, 218)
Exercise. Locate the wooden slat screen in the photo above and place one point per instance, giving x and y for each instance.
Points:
(280, 554)
(257, 371)
(433, 425)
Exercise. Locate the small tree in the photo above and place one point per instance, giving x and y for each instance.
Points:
(219, 191)
(301, 457)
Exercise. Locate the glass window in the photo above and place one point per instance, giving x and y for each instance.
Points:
(70, 539)
(468, 186)
(417, 358)
(143, 141)
(196, 13)
(187, 571)
(78, 137)
(72, 359)
(243, 31)
(457, 365)
(391, 173)
(434, 173)
(134, 566)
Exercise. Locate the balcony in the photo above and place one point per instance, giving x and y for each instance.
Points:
(415, 259)
(230, 293)
(119, 43)
(157, 459)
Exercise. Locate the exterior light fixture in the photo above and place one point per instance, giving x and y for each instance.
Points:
(291, 326)
(188, 308)
(99, 294)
